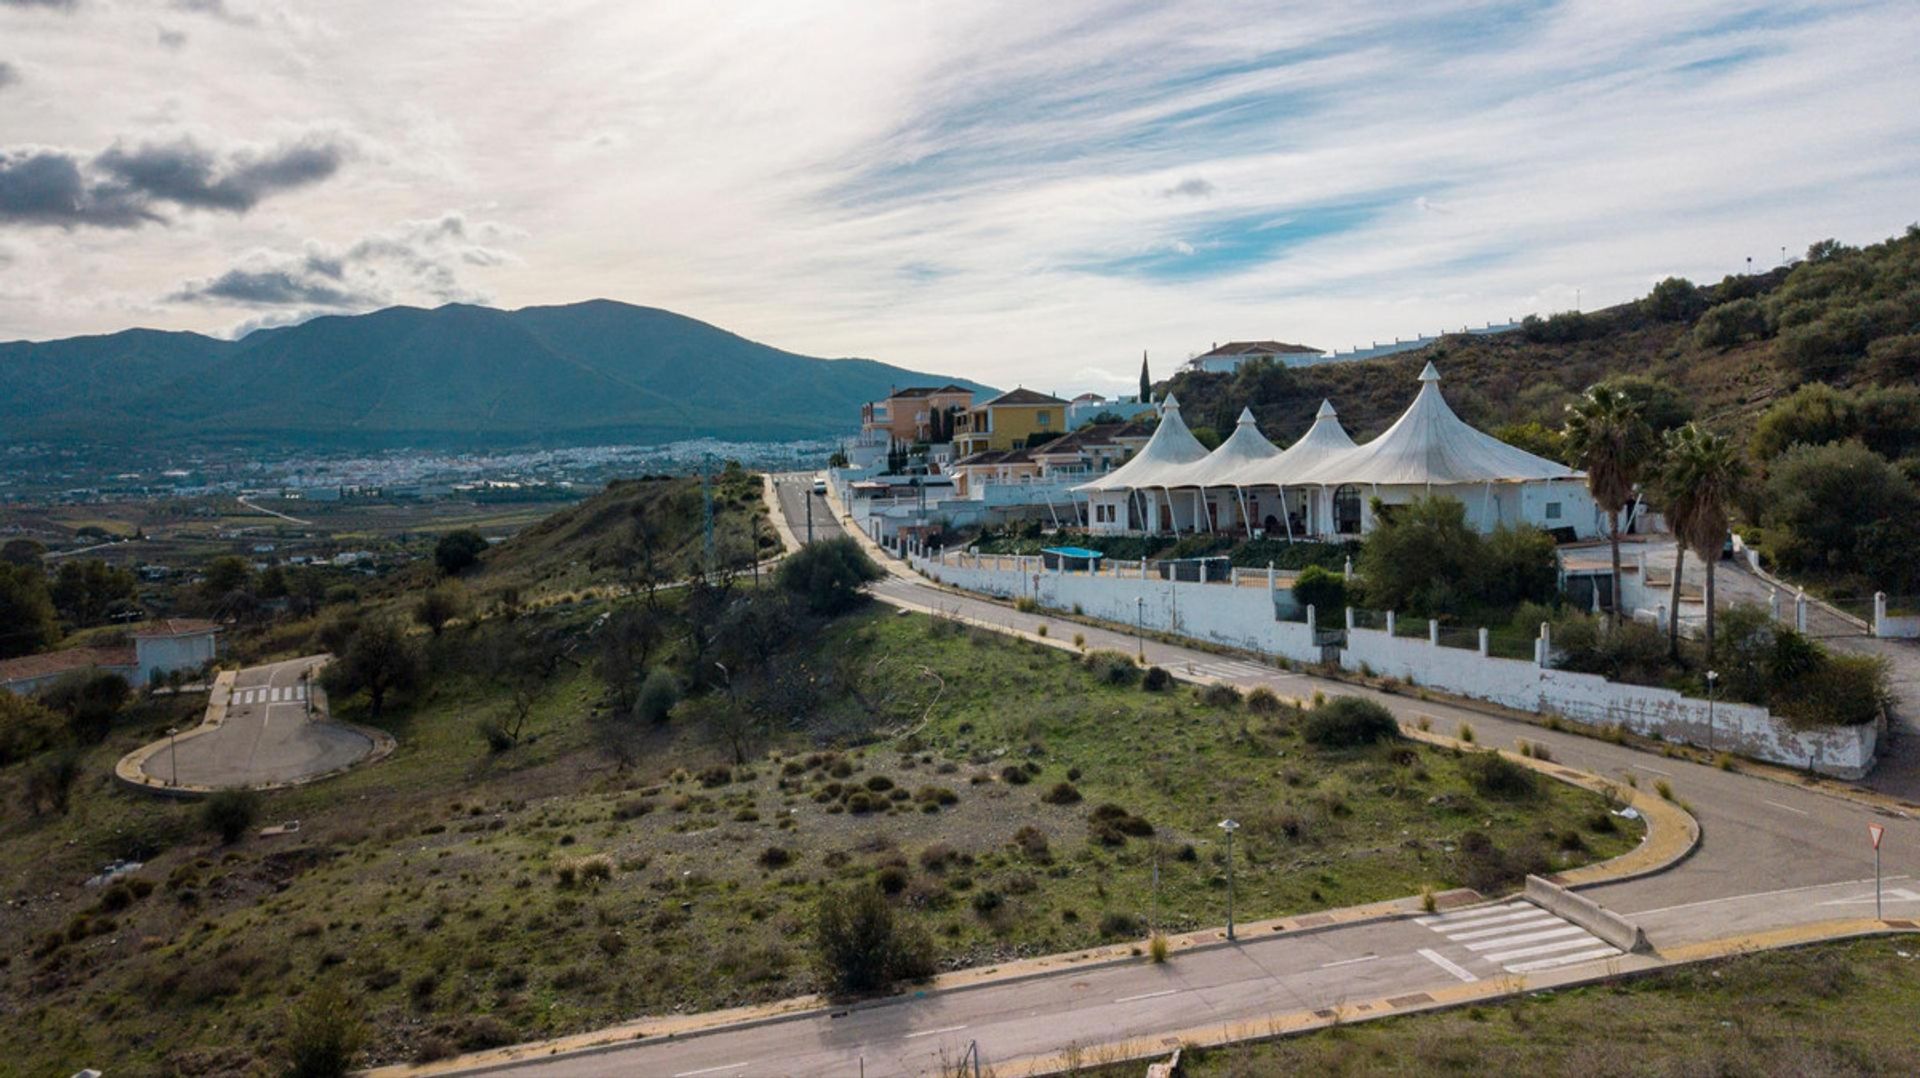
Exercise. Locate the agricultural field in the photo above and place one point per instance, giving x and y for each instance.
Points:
(466, 894)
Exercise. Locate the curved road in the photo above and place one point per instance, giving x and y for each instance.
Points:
(1772, 854)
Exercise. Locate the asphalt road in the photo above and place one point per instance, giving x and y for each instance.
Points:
(1772, 854)
(268, 737)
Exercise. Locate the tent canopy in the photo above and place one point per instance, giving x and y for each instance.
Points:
(1247, 447)
(1172, 449)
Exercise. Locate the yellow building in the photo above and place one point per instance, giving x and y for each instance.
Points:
(1009, 421)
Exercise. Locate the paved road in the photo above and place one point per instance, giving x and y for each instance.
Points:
(1771, 855)
(268, 737)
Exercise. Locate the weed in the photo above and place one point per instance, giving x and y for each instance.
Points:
(1158, 949)
(1663, 788)
(1464, 733)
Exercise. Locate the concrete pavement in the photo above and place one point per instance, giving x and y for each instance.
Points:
(266, 726)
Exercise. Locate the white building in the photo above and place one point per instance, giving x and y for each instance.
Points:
(159, 648)
(1324, 486)
(1227, 358)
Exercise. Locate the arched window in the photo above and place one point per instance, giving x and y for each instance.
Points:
(1346, 510)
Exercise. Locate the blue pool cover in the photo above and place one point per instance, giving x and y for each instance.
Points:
(1073, 552)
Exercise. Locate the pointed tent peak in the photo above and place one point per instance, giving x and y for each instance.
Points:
(1246, 418)
(1168, 404)
(1326, 410)
(1429, 373)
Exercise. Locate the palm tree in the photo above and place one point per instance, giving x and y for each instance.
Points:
(1704, 470)
(1612, 444)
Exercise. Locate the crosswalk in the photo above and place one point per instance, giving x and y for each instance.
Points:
(1231, 669)
(267, 694)
(1519, 937)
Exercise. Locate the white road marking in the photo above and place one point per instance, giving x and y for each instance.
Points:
(1789, 808)
(1564, 960)
(710, 1070)
(1147, 995)
(1531, 937)
(1538, 949)
(1464, 917)
(1350, 961)
(1440, 960)
(1896, 894)
(1539, 920)
(935, 1032)
(1764, 894)
(1655, 770)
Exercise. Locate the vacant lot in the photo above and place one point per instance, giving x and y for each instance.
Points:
(1836, 1009)
(1014, 800)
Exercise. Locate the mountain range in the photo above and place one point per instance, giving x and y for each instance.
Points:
(457, 376)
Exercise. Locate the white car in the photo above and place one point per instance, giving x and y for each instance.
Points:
(820, 486)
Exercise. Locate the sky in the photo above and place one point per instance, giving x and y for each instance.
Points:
(1015, 192)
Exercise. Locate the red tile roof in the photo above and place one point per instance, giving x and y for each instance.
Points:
(51, 663)
(1023, 396)
(1258, 348)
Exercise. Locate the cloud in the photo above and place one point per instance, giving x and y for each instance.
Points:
(126, 188)
(171, 39)
(216, 9)
(1191, 187)
(417, 262)
(50, 5)
(9, 74)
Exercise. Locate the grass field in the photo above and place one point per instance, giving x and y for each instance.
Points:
(468, 898)
(1835, 1009)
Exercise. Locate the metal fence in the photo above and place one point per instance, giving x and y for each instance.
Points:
(1457, 636)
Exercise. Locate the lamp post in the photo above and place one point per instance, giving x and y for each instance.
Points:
(173, 758)
(1712, 677)
(1229, 825)
(1139, 624)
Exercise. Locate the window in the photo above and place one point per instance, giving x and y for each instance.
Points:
(1046, 419)
(1553, 510)
(1346, 510)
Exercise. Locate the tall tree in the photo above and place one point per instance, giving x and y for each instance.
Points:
(1146, 380)
(27, 619)
(1710, 470)
(1611, 442)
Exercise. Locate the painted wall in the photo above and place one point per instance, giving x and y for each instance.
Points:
(165, 654)
(1245, 617)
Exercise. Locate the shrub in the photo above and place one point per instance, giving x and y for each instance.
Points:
(1014, 775)
(1158, 949)
(1322, 589)
(1493, 775)
(1032, 844)
(859, 947)
(1026, 604)
(1061, 793)
(828, 575)
(1264, 701)
(324, 1033)
(936, 796)
(775, 857)
(230, 813)
(1156, 680)
(458, 551)
(879, 783)
(1110, 825)
(1220, 695)
(891, 879)
(1112, 667)
(1348, 722)
(598, 868)
(1114, 923)
(658, 693)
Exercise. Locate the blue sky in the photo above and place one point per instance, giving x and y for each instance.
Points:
(1015, 192)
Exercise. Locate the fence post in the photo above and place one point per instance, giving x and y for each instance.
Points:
(1484, 650)
(1773, 604)
(1879, 610)
(1433, 632)
(1545, 645)
(1312, 623)
(1800, 612)
(1270, 576)
(1661, 619)
(1143, 567)
(1390, 619)
(1349, 619)
(1347, 573)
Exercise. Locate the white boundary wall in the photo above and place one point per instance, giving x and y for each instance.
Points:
(1243, 617)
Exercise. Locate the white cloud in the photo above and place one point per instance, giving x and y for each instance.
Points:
(929, 185)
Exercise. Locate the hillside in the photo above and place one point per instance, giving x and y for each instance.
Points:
(1844, 316)
(457, 376)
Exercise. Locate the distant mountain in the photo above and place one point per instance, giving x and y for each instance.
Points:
(457, 376)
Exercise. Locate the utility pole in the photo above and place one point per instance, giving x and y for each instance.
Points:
(706, 501)
(1712, 676)
(806, 493)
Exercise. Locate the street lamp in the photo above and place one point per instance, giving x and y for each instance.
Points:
(1712, 677)
(173, 758)
(1229, 826)
(1139, 624)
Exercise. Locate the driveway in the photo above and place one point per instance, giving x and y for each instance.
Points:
(275, 732)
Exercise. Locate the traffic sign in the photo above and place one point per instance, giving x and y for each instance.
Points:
(1876, 831)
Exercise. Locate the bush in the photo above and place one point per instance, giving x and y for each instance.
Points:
(775, 857)
(1322, 589)
(324, 1033)
(1156, 680)
(858, 946)
(1517, 565)
(90, 702)
(1112, 667)
(1015, 775)
(230, 813)
(1347, 722)
(1493, 775)
(1264, 701)
(1062, 793)
(1220, 695)
(828, 575)
(658, 693)
(1728, 324)
(458, 551)
(1032, 843)
(1026, 604)
(1114, 923)
(1422, 558)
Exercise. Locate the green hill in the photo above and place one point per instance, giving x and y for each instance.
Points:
(457, 376)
